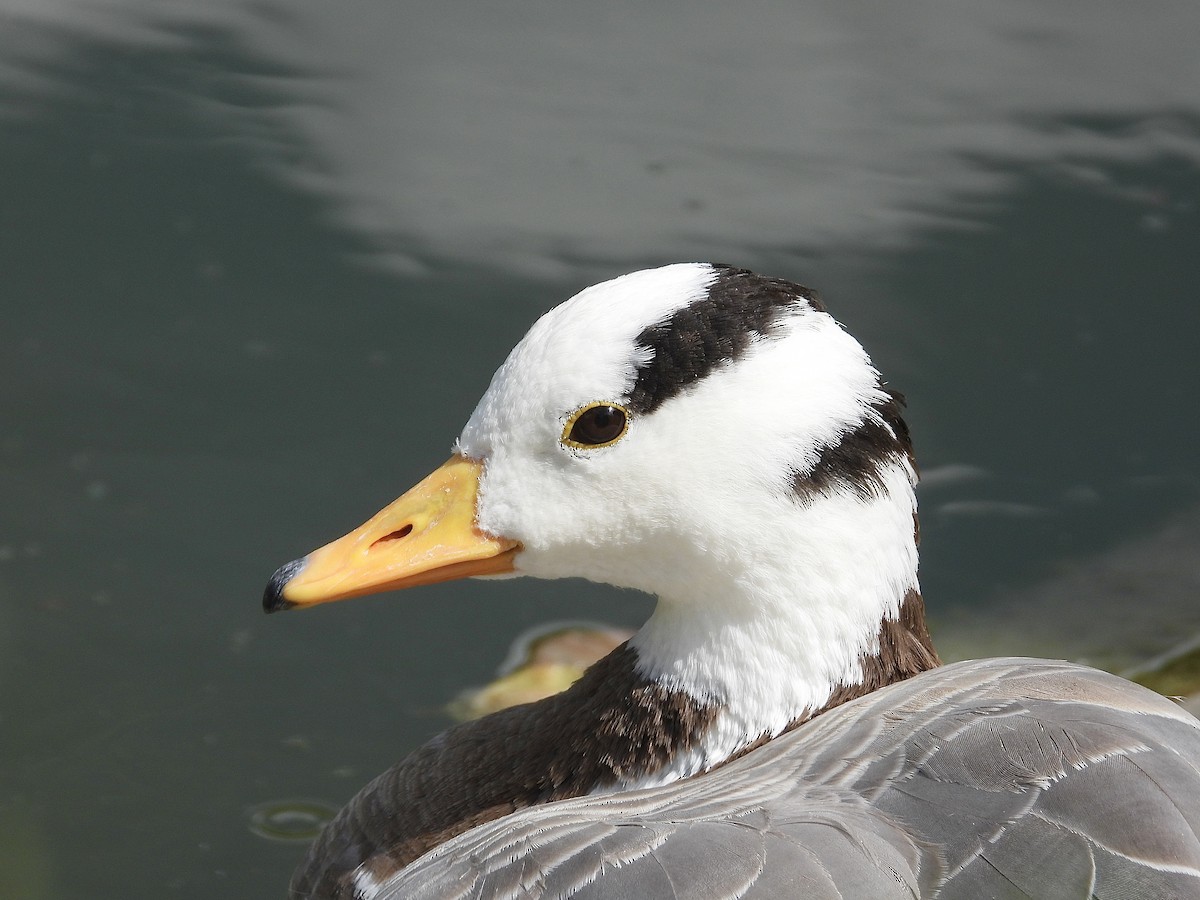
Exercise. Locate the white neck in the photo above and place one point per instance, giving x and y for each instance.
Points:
(771, 644)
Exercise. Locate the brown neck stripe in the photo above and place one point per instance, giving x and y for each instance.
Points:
(612, 724)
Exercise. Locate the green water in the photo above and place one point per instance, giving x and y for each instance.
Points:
(258, 261)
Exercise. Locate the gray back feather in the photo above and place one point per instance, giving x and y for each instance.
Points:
(1002, 778)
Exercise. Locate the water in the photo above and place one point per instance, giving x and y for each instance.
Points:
(258, 260)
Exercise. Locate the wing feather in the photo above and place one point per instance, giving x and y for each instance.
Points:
(996, 778)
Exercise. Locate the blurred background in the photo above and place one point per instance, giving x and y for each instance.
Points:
(259, 259)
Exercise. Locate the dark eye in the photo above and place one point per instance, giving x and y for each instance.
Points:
(595, 426)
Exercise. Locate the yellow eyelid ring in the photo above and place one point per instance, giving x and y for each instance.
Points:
(596, 425)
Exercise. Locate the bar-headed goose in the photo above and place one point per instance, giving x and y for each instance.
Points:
(781, 726)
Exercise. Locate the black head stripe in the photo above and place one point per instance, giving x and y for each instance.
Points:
(739, 308)
(858, 460)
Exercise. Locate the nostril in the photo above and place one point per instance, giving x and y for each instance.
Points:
(394, 536)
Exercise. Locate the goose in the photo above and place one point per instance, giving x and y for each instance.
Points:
(781, 726)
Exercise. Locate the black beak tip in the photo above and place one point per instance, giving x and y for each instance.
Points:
(273, 599)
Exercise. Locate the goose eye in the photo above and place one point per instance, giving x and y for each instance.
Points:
(596, 425)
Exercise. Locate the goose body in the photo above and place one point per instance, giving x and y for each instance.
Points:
(781, 726)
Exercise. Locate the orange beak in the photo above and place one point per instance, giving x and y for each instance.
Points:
(426, 536)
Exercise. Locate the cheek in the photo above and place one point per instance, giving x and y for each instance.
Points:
(524, 499)
(563, 503)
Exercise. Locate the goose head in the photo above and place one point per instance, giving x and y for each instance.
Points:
(698, 432)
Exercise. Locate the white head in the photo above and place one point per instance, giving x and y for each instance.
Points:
(698, 432)
(726, 495)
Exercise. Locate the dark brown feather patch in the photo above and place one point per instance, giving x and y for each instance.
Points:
(905, 650)
(610, 725)
(859, 459)
(740, 308)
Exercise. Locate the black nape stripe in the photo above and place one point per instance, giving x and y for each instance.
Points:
(740, 307)
(857, 461)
